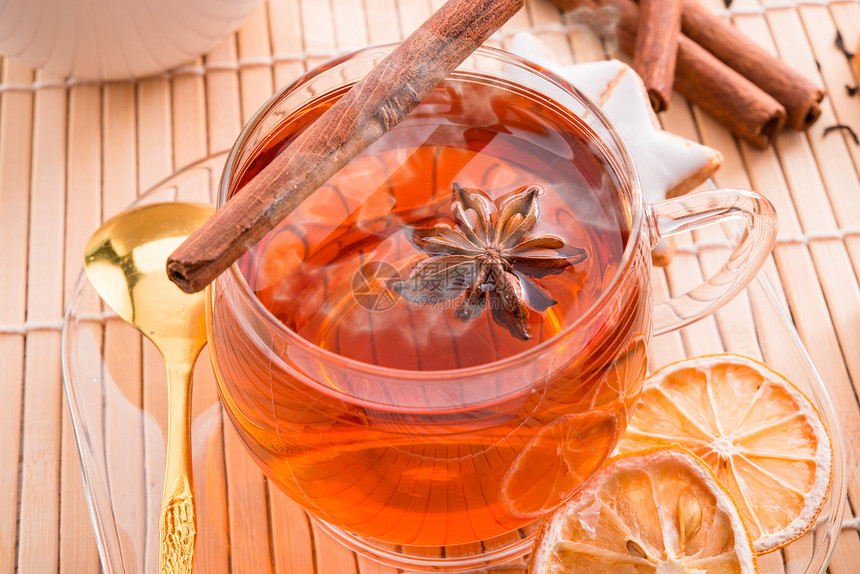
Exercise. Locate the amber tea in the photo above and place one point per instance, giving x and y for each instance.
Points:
(477, 231)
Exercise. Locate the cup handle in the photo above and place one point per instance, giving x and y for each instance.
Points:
(695, 210)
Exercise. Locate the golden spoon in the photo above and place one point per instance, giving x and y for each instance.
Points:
(125, 262)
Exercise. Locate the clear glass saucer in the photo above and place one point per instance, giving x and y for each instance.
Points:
(116, 389)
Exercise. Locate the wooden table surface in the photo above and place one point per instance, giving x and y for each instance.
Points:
(74, 153)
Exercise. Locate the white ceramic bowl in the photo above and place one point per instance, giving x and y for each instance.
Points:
(115, 39)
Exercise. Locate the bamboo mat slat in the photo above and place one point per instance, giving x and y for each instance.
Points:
(286, 36)
(119, 147)
(84, 165)
(16, 111)
(382, 24)
(40, 479)
(222, 94)
(188, 100)
(255, 82)
(73, 154)
(154, 141)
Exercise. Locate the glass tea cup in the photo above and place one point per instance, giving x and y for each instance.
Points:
(424, 414)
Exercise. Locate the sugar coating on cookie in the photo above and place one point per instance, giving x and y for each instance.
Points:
(668, 164)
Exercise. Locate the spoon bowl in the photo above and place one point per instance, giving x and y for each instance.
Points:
(125, 260)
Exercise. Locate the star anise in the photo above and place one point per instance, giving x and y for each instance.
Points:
(489, 256)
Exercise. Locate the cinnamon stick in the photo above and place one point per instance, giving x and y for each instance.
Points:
(730, 98)
(799, 95)
(734, 101)
(370, 108)
(656, 49)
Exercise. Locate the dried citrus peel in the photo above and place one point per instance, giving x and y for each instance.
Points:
(762, 437)
(660, 511)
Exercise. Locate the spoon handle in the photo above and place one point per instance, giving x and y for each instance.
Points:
(177, 525)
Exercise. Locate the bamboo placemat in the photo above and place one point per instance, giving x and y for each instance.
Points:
(72, 154)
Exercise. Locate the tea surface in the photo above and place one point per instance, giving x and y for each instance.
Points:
(330, 269)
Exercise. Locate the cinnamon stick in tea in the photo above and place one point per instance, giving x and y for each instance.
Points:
(656, 50)
(799, 95)
(370, 108)
(734, 101)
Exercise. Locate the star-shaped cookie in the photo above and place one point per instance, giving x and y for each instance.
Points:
(669, 165)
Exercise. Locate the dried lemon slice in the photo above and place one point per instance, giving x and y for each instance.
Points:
(660, 511)
(762, 437)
